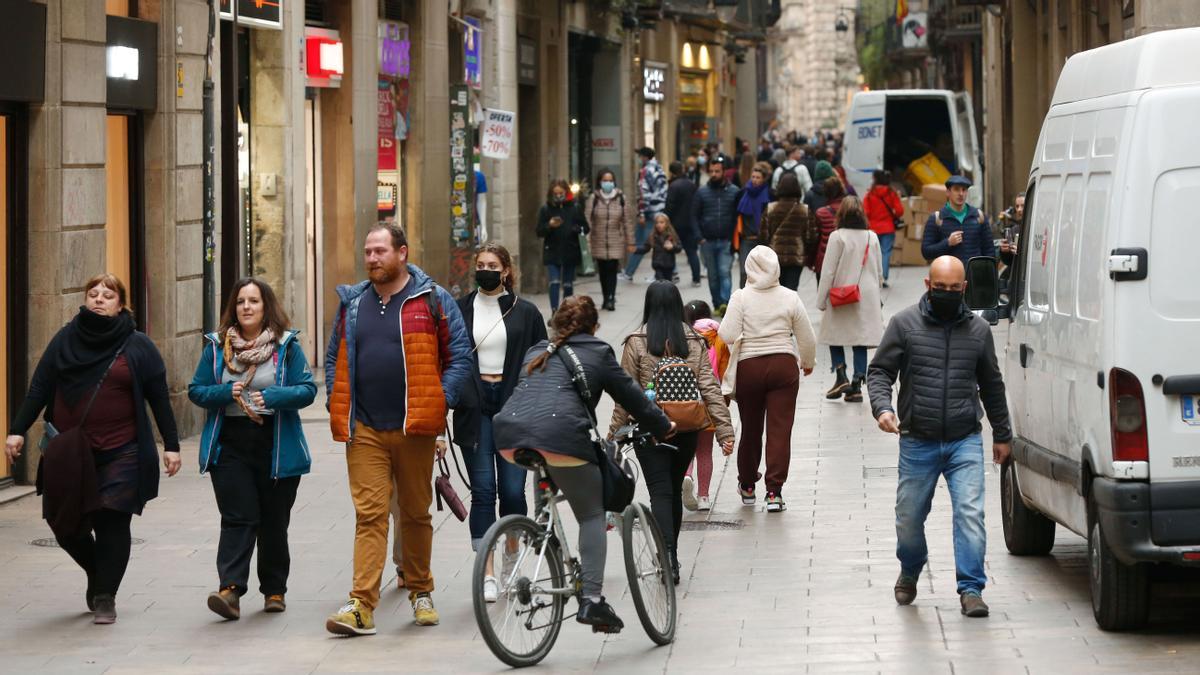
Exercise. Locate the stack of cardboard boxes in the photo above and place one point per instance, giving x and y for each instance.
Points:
(907, 249)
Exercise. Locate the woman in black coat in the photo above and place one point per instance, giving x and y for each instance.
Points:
(559, 224)
(547, 414)
(100, 371)
(502, 327)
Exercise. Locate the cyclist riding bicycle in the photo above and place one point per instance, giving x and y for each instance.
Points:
(546, 414)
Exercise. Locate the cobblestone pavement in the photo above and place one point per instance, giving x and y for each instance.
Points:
(806, 590)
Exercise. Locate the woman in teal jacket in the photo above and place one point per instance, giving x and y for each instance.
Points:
(253, 379)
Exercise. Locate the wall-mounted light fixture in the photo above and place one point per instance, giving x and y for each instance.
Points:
(705, 59)
(686, 59)
(121, 63)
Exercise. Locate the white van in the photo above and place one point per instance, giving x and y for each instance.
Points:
(1102, 372)
(890, 128)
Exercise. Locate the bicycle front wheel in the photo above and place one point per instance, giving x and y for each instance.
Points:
(648, 566)
(520, 627)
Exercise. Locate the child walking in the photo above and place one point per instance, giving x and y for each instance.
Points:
(664, 241)
(695, 492)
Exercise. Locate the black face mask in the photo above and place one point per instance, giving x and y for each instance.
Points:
(488, 280)
(946, 305)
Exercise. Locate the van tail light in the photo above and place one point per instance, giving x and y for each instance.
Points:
(1127, 416)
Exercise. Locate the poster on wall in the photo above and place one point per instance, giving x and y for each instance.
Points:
(460, 168)
(387, 127)
(394, 50)
(498, 130)
(606, 147)
(472, 51)
(915, 35)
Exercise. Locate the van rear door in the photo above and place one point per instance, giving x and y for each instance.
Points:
(1158, 320)
(968, 145)
(862, 153)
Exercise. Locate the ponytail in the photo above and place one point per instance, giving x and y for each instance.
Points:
(576, 315)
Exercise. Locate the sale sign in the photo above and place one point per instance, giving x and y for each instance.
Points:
(498, 131)
(387, 127)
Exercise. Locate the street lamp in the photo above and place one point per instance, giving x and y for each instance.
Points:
(842, 23)
(726, 9)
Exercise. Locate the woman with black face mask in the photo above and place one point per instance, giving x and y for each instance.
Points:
(502, 327)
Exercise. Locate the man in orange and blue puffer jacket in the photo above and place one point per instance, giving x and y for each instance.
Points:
(397, 358)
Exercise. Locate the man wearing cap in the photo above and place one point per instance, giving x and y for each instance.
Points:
(958, 229)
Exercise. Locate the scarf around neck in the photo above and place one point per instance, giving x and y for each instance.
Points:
(754, 200)
(88, 346)
(243, 355)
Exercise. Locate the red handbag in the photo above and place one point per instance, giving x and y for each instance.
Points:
(848, 295)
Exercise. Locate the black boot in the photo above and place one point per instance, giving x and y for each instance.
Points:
(840, 385)
(600, 616)
(854, 393)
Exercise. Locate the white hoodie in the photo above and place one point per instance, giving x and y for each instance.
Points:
(769, 318)
(799, 169)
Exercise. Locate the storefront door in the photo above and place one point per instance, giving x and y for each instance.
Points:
(117, 217)
(5, 355)
(314, 234)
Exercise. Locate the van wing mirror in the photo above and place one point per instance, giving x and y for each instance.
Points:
(983, 283)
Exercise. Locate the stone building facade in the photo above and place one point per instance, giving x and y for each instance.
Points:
(812, 67)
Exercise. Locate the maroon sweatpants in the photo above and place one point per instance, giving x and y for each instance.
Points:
(766, 390)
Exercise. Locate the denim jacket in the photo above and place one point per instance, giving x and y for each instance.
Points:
(293, 390)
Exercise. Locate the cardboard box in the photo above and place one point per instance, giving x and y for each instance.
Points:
(897, 258)
(916, 225)
(911, 255)
(934, 194)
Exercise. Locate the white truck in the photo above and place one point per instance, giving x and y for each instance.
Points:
(888, 129)
(1103, 380)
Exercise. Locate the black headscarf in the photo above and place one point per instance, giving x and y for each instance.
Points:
(86, 349)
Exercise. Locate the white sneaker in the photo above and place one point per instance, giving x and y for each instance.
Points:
(689, 493)
(491, 589)
(695, 284)
(702, 504)
(624, 277)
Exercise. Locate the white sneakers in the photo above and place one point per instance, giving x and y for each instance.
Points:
(491, 589)
(689, 493)
(703, 504)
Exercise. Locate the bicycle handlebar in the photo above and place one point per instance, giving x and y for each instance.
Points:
(631, 433)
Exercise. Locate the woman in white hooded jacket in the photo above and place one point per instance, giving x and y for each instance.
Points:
(773, 341)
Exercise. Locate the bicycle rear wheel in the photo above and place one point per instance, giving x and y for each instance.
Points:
(648, 566)
(521, 626)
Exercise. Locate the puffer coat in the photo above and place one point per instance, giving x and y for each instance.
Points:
(783, 230)
(945, 370)
(547, 413)
(610, 218)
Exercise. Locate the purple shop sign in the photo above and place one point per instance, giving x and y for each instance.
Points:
(472, 50)
(394, 50)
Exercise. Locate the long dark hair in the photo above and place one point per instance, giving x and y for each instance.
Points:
(273, 315)
(663, 317)
(557, 182)
(576, 315)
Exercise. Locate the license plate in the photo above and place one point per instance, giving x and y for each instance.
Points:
(1190, 404)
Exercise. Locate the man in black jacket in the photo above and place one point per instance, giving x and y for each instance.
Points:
(680, 194)
(714, 209)
(946, 362)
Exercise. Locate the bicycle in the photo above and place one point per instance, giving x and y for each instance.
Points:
(538, 572)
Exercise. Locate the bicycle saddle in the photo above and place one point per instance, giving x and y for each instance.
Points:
(529, 459)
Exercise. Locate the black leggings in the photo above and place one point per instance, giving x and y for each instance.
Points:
(103, 555)
(608, 270)
(664, 469)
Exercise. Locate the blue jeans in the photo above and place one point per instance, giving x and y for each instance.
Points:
(490, 474)
(961, 462)
(693, 257)
(640, 233)
(562, 278)
(837, 354)
(718, 259)
(885, 245)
